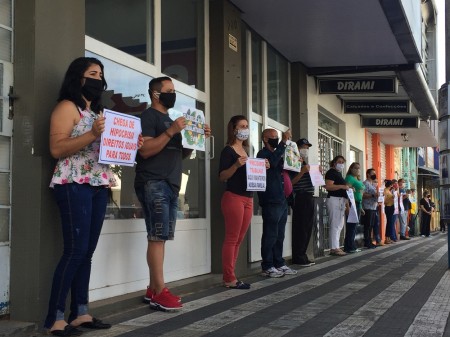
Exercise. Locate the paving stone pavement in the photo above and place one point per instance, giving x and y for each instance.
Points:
(401, 289)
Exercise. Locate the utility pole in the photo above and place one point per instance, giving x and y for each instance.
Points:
(444, 139)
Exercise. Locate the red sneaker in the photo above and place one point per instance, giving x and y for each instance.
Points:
(165, 301)
(149, 295)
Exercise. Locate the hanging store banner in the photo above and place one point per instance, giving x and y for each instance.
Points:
(390, 122)
(354, 107)
(349, 85)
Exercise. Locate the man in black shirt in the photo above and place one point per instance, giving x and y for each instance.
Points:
(303, 209)
(157, 184)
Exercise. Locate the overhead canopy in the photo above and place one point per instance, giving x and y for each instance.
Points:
(346, 37)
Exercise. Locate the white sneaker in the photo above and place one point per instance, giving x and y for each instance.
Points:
(287, 271)
(272, 272)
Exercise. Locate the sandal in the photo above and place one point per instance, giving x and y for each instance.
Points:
(238, 285)
(96, 324)
(337, 252)
(68, 331)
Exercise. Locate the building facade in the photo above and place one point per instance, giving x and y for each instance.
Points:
(350, 84)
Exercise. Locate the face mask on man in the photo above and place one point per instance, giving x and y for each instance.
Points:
(340, 167)
(303, 153)
(242, 134)
(373, 177)
(168, 99)
(273, 142)
(92, 88)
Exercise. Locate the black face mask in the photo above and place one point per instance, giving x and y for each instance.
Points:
(92, 88)
(373, 176)
(168, 99)
(273, 142)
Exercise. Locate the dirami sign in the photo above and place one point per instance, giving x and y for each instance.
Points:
(390, 122)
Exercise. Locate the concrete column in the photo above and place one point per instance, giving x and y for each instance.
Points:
(227, 100)
(48, 36)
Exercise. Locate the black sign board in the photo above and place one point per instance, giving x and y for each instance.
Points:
(390, 122)
(352, 85)
(352, 107)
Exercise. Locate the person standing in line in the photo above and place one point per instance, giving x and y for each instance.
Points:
(425, 219)
(353, 180)
(337, 202)
(395, 191)
(389, 210)
(403, 214)
(303, 209)
(370, 203)
(237, 202)
(157, 184)
(81, 187)
(274, 206)
(414, 212)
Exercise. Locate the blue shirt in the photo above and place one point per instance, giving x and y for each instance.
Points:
(274, 181)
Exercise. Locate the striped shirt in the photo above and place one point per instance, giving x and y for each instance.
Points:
(304, 185)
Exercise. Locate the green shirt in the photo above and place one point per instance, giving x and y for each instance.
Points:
(358, 185)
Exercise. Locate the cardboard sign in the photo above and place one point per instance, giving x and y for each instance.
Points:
(395, 202)
(256, 174)
(118, 143)
(292, 157)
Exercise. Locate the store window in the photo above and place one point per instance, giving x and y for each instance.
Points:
(125, 25)
(182, 41)
(127, 93)
(277, 87)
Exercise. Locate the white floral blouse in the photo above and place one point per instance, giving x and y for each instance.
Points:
(83, 167)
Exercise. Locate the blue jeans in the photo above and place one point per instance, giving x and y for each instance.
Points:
(82, 209)
(274, 224)
(393, 228)
(160, 204)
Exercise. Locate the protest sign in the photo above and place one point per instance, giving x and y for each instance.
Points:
(256, 174)
(316, 176)
(352, 214)
(292, 157)
(118, 143)
(194, 133)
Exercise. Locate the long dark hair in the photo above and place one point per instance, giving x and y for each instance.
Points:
(352, 166)
(71, 86)
(231, 130)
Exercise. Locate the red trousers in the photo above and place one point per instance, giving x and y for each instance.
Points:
(237, 211)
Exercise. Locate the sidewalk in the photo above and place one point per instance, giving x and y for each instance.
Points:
(401, 289)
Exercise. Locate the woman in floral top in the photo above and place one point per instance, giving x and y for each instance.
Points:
(81, 187)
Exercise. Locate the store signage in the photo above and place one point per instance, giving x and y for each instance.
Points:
(390, 122)
(357, 85)
(351, 107)
(232, 42)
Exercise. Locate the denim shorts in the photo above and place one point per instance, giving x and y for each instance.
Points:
(160, 204)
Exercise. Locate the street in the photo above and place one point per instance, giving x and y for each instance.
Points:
(402, 289)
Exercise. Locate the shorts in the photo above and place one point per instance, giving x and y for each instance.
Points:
(160, 205)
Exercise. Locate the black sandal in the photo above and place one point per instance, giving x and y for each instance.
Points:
(95, 324)
(239, 285)
(69, 330)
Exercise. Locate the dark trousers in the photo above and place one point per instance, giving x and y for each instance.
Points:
(302, 225)
(389, 211)
(425, 222)
(350, 231)
(368, 222)
(274, 224)
(82, 209)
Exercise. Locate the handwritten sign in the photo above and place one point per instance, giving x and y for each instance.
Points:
(118, 143)
(292, 157)
(194, 133)
(352, 214)
(381, 195)
(256, 174)
(316, 176)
